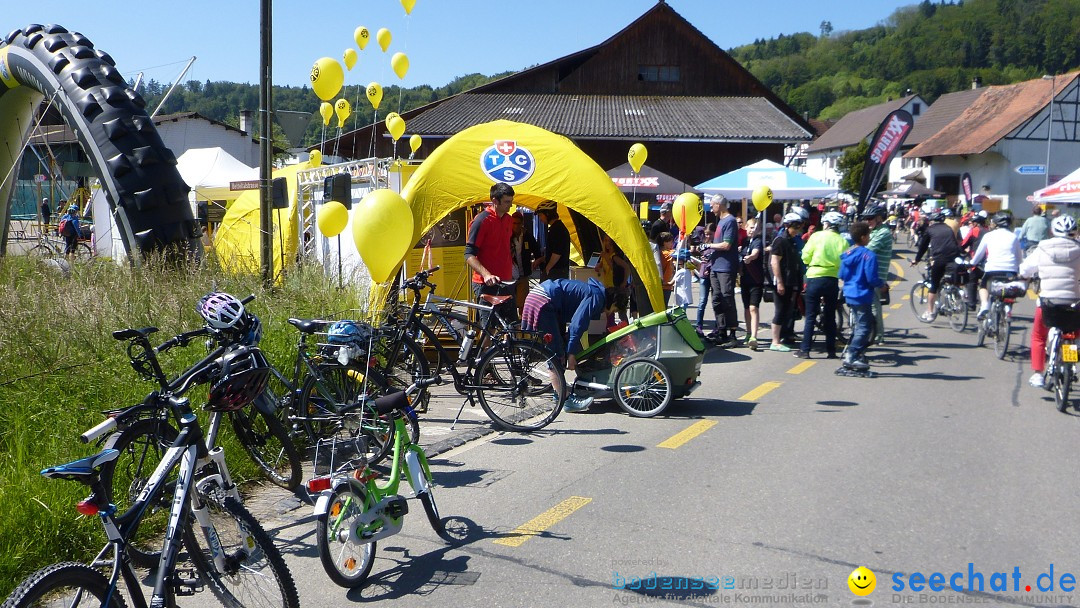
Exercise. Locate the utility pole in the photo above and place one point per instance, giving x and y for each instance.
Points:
(266, 148)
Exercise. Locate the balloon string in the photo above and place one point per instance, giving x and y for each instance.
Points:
(337, 141)
(374, 128)
(356, 116)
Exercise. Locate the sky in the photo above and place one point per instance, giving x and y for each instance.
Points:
(443, 39)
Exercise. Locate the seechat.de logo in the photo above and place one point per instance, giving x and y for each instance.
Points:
(505, 161)
(862, 581)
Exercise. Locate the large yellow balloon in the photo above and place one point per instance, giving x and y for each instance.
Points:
(350, 58)
(384, 37)
(400, 63)
(326, 110)
(327, 78)
(332, 218)
(762, 197)
(408, 6)
(361, 35)
(396, 125)
(343, 110)
(374, 94)
(382, 230)
(687, 211)
(636, 156)
(414, 142)
(314, 159)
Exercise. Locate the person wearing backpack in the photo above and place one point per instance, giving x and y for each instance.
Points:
(69, 229)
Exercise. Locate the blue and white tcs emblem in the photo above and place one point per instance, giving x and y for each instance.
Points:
(507, 162)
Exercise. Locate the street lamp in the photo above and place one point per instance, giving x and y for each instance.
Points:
(1049, 123)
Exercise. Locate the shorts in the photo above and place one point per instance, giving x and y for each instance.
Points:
(784, 306)
(938, 271)
(751, 295)
(996, 275)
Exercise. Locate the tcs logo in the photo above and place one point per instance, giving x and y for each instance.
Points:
(507, 162)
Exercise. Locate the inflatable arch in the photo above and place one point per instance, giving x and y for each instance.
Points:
(541, 166)
(138, 173)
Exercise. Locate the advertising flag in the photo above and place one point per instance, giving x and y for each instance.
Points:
(883, 147)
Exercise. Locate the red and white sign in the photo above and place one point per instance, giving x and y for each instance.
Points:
(637, 182)
(1065, 191)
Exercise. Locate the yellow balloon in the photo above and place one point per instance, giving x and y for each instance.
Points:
(361, 35)
(414, 142)
(408, 6)
(326, 110)
(687, 211)
(400, 63)
(391, 115)
(332, 218)
(374, 94)
(396, 125)
(343, 111)
(636, 156)
(327, 78)
(384, 37)
(383, 232)
(350, 58)
(314, 159)
(762, 197)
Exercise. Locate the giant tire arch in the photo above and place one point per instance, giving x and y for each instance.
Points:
(146, 194)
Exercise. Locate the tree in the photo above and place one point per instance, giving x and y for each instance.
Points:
(850, 168)
(826, 28)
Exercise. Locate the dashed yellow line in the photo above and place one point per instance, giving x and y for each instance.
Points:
(802, 367)
(760, 391)
(895, 306)
(687, 434)
(542, 522)
(884, 315)
(906, 297)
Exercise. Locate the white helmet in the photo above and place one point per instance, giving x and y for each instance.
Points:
(832, 218)
(1063, 225)
(792, 218)
(801, 212)
(220, 310)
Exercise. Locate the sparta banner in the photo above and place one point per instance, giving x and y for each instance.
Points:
(883, 147)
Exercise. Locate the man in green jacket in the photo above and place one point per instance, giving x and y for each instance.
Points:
(881, 243)
(822, 258)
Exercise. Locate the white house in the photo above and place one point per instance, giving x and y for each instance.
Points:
(189, 130)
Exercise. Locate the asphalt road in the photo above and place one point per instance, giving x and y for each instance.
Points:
(944, 463)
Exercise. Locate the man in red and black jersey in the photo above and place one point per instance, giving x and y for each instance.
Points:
(487, 250)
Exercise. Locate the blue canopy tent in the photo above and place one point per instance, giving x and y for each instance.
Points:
(785, 183)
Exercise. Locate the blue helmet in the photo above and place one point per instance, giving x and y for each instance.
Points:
(347, 332)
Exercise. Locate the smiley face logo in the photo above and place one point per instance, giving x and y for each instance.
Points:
(861, 581)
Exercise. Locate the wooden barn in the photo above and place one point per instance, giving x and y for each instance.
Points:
(660, 81)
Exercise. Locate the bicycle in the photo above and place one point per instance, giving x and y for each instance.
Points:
(233, 553)
(52, 247)
(1061, 350)
(354, 511)
(518, 382)
(997, 324)
(950, 300)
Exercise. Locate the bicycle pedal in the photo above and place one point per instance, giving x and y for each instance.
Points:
(396, 507)
(186, 582)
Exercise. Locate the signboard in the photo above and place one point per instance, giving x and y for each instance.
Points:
(637, 182)
(250, 184)
(40, 178)
(1031, 169)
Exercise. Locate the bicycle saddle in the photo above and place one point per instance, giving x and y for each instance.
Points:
(127, 334)
(494, 300)
(83, 468)
(308, 326)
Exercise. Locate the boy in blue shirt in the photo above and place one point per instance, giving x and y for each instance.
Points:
(859, 272)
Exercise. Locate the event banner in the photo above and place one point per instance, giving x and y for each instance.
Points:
(883, 147)
(965, 187)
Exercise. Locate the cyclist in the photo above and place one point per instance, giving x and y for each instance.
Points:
(1057, 262)
(969, 244)
(881, 243)
(941, 241)
(71, 230)
(1000, 249)
(822, 258)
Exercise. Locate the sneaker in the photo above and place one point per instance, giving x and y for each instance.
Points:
(926, 317)
(752, 343)
(728, 342)
(802, 354)
(1036, 380)
(780, 348)
(577, 404)
(982, 313)
(712, 337)
(831, 356)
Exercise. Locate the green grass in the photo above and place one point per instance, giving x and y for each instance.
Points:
(60, 367)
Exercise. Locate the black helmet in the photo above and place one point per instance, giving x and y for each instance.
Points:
(241, 377)
(873, 210)
(1002, 219)
(936, 216)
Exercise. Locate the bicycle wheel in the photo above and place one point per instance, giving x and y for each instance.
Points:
(521, 385)
(406, 366)
(1002, 327)
(254, 574)
(142, 446)
(347, 563)
(980, 336)
(957, 309)
(83, 252)
(919, 294)
(336, 390)
(269, 445)
(42, 251)
(1062, 384)
(426, 493)
(65, 585)
(642, 387)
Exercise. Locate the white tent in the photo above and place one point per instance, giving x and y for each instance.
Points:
(785, 183)
(210, 170)
(1067, 190)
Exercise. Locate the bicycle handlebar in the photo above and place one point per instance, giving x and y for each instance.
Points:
(420, 279)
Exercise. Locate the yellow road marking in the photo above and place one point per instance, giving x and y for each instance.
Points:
(895, 306)
(687, 434)
(542, 522)
(760, 391)
(1032, 295)
(906, 297)
(802, 367)
(898, 268)
(884, 315)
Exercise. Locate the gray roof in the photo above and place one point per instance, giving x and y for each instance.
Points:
(712, 119)
(857, 126)
(946, 109)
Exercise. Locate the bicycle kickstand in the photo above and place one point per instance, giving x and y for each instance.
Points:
(469, 400)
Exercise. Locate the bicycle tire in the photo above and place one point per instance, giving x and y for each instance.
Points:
(958, 312)
(642, 387)
(426, 493)
(346, 563)
(335, 390)
(520, 385)
(250, 556)
(405, 367)
(980, 336)
(42, 251)
(47, 583)
(919, 294)
(1002, 329)
(269, 445)
(142, 446)
(1062, 385)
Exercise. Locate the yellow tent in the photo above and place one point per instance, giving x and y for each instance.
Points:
(541, 166)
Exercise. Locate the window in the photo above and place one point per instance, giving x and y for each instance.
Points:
(658, 73)
(916, 109)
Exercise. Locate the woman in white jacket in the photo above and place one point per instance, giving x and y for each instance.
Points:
(1057, 262)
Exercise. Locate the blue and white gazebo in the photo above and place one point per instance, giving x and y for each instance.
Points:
(785, 183)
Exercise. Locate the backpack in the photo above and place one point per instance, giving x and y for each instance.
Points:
(65, 228)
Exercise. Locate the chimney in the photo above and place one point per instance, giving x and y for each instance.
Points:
(976, 82)
(245, 121)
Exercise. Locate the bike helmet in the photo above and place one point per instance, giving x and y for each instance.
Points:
(946, 212)
(1063, 225)
(833, 218)
(347, 332)
(1002, 219)
(250, 328)
(220, 310)
(241, 377)
(936, 216)
(547, 207)
(72, 208)
(800, 211)
(873, 210)
(979, 218)
(792, 218)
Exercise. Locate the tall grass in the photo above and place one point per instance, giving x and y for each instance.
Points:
(60, 366)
